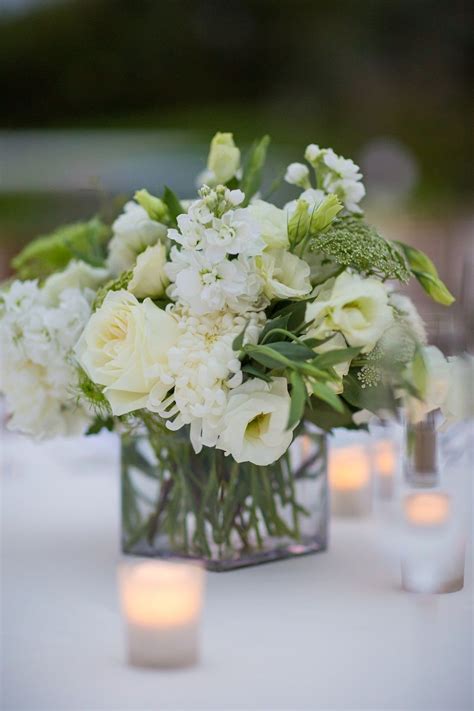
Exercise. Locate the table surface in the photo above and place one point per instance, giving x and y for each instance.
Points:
(329, 631)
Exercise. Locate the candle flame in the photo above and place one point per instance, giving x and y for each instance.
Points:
(349, 468)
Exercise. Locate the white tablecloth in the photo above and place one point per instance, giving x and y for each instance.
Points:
(329, 631)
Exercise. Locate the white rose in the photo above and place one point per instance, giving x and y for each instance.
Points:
(133, 232)
(432, 382)
(273, 223)
(285, 275)
(77, 275)
(149, 278)
(298, 174)
(125, 347)
(224, 159)
(254, 423)
(355, 306)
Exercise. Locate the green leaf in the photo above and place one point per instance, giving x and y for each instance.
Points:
(327, 418)
(238, 341)
(253, 169)
(267, 357)
(338, 355)
(435, 288)
(417, 260)
(173, 204)
(350, 242)
(256, 372)
(296, 311)
(53, 252)
(298, 400)
(323, 392)
(293, 351)
(99, 424)
(271, 324)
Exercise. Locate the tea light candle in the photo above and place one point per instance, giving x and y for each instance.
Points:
(349, 480)
(161, 602)
(434, 550)
(385, 466)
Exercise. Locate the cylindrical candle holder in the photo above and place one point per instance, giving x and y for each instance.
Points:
(433, 554)
(350, 481)
(161, 603)
(385, 462)
(421, 460)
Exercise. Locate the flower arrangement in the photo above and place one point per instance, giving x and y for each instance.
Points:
(224, 317)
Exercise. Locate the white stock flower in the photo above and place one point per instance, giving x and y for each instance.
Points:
(432, 383)
(37, 334)
(343, 178)
(312, 197)
(254, 423)
(77, 275)
(205, 368)
(133, 231)
(353, 305)
(124, 347)
(149, 277)
(273, 223)
(313, 153)
(285, 275)
(298, 174)
(207, 287)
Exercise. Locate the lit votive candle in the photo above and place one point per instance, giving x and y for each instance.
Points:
(161, 602)
(434, 548)
(385, 467)
(350, 481)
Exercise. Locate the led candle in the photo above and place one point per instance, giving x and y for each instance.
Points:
(433, 555)
(385, 466)
(350, 482)
(161, 602)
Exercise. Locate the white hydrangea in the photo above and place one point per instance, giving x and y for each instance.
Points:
(38, 331)
(205, 368)
(202, 275)
(134, 231)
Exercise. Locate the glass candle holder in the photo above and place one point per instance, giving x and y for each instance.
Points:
(350, 481)
(433, 553)
(161, 603)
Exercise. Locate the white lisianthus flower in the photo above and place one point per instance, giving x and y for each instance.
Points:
(432, 382)
(149, 277)
(124, 347)
(273, 223)
(355, 306)
(223, 161)
(133, 231)
(77, 275)
(285, 275)
(254, 423)
(38, 331)
(298, 174)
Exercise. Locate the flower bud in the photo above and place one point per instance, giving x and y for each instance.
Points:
(298, 174)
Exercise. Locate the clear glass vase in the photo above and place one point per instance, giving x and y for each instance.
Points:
(205, 506)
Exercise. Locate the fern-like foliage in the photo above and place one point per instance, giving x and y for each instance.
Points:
(52, 253)
(90, 393)
(350, 242)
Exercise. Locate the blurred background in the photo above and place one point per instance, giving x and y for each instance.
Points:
(101, 97)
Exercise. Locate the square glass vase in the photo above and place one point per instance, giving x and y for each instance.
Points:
(207, 507)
